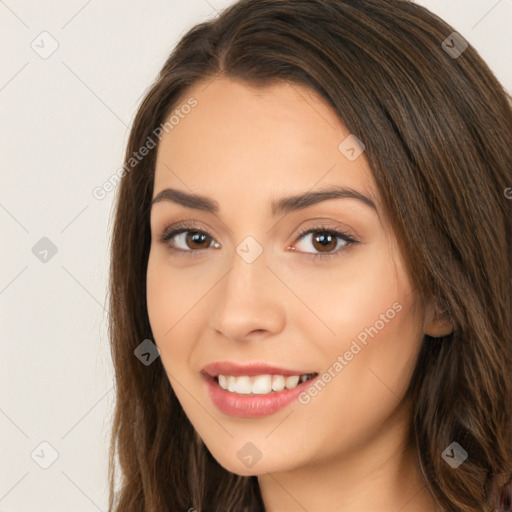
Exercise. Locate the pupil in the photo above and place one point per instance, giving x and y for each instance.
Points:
(325, 240)
(197, 238)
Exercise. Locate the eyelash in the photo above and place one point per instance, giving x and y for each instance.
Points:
(166, 236)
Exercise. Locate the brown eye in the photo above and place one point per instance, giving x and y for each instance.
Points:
(190, 240)
(325, 242)
(197, 239)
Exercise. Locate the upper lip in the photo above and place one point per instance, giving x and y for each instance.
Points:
(249, 369)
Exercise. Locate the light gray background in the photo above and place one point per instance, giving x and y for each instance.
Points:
(64, 125)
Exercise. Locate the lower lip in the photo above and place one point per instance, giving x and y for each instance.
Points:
(252, 406)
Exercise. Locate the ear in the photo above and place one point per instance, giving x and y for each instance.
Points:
(437, 324)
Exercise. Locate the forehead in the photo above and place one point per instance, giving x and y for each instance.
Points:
(272, 140)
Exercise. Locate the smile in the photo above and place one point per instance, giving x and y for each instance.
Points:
(253, 390)
(260, 384)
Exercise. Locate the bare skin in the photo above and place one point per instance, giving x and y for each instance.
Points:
(345, 450)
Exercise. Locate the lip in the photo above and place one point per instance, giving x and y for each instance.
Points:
(251, 406)
(249, 369)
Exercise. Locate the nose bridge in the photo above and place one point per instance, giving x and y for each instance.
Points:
(248, 273)
(247, 300)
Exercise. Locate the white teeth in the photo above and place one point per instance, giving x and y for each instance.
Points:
(278, 383)
(243, 385)
(291, 382)
(231, 384)
(262, 384)
(259, 384)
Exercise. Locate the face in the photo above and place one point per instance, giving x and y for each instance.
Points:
(304, 287)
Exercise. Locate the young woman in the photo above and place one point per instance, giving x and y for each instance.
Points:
(310, 279)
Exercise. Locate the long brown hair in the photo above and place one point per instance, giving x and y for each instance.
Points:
(437, 127)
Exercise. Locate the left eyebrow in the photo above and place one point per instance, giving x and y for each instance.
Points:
(298, 202)
(279, 206)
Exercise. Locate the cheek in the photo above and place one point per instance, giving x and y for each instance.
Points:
(350, 294)
(176, 302)
(172, 294)
(370, 307)
(169, 300)
(362, 384)
(376, 311)
(371, 385)
(160, 303)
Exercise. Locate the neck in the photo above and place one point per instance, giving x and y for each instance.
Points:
(382, 475)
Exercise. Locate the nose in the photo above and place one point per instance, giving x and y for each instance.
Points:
(249, 300)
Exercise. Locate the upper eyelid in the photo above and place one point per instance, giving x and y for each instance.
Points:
(199, 226)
